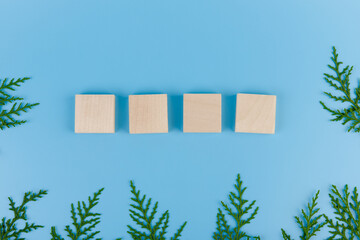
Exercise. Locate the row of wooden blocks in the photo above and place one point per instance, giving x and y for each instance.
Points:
(149, 113)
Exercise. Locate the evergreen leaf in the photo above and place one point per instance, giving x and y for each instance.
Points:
(239, 211)
(340, 81)
(309, 222)
(9, 229)
(347, 212)
(84, 220)
(139, 213)
(285, 235)
(7, 116)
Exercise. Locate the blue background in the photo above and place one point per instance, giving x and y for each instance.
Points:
(170, 46)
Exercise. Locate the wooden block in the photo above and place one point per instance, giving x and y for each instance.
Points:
(95, 113)
(148, 113)
(255, 113)
(202, 113)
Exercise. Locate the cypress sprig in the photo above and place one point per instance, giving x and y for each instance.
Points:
(346, 225)
(7, 117)
(143, 218)
(9, 227)
(84, 221)
(12, 84)
(341, 83)
(9, 99)
(309, 222)
(240, 212)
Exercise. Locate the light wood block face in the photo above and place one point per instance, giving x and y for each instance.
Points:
(255, 113)
(94, 113)
(202, 113)
(148, 113)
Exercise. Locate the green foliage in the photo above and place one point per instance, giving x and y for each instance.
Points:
(341, 83)
(84, 220)
(9, 229)
(239, 213)
(346, 225)
(309, 222)
(7, 117)
(141, 216)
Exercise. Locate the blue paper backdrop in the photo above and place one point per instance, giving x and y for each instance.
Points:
(169, 46)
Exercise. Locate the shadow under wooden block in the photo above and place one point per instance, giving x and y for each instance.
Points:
(255, 113)
(94, 113)
(202, 113)
(148, 113)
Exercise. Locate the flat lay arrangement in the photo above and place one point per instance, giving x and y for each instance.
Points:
(179, 120)
(201, 113)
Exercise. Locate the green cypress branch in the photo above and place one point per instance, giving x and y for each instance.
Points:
(309, 222)
(346, 225)
(84, 221)
(9, 99)
(9, 229)
(239, 211)
(12, 84)
(285, 235)
(7, 117)
(341, 83)
(139, 213)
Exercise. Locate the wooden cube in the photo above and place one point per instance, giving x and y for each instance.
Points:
(255, 113)
(148, 113)
(202, 113)
(94, 113)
